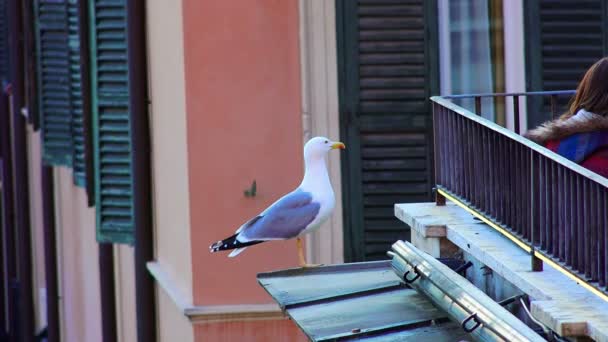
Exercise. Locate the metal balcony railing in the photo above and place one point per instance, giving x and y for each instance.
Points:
(548, 205)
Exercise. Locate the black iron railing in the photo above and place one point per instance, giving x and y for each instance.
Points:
(548, 205)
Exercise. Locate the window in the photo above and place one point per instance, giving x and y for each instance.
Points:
(472, 52)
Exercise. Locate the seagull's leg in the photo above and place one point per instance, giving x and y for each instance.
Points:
(300, 252)
(303, 262)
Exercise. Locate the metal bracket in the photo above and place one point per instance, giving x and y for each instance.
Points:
(463, 267)
(409, 281)
(466, 320)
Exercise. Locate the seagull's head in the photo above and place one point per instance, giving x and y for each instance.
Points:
(317, 147)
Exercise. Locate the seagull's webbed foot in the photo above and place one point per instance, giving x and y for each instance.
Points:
(303, 262)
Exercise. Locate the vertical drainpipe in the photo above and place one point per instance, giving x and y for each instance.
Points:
(3, 282)
(30, 59)
(7, 259)
(9, 271)
(138, 102)
(8, 223)
(20, 175)
(50, 253)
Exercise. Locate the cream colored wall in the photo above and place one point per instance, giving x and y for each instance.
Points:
(320, 113)
(169, 149)
(77, 253)
(78, 263)
(124, 270)
(173, 325)
(169, 162)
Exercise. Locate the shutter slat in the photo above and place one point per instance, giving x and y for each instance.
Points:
(566, 38)
(54, 82)
(111, 121)
(78, 155)
(571, 38)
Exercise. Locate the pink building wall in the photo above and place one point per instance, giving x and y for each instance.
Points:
(244, 123)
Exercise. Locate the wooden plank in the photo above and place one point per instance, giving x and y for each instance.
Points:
(557, 301)
(401, 10)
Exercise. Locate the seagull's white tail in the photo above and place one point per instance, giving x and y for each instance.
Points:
(236, 252)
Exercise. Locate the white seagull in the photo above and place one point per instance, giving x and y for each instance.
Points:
(295, 214)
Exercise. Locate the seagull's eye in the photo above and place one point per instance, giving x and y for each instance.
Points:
(326, 141)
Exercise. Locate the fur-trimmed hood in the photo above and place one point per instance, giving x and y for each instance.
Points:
(559, 129)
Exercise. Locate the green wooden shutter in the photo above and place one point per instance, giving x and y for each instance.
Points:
(3, 41)
(387, 71)
(78, 158)
(563, 39)
(54, 81)
(111, 122)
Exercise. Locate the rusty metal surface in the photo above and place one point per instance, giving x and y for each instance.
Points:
(358, 301)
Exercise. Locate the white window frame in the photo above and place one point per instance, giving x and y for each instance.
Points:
(515, 75)
(320, 114)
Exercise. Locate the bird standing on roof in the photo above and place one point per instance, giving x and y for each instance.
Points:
(295, 214)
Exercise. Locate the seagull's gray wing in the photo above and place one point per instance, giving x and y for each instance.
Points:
(283, 220)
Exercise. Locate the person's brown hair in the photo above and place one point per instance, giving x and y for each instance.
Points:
(592, 92)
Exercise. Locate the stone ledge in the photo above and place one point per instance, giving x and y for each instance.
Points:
(431, 221)
(211, 313)
(557, 301)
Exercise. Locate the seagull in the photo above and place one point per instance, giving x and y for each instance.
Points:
(297, 213)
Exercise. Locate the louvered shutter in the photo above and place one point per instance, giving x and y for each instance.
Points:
(54, 81)
(111, 126)
(78, 158)
(3, 41)
(563, 39)
(386, 76)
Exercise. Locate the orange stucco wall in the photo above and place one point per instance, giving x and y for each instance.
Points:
(244, 123)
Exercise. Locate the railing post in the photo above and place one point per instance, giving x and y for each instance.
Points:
(437, 130)
(439, 198)
(516, 114)
(535, 262)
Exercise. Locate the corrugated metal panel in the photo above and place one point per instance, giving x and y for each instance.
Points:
(78, 163)
(54, 81)
(360, 301)
(111, 122)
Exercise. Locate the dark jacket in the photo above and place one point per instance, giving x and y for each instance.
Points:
(584, 142)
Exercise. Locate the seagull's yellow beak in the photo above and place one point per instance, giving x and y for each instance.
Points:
(338, 145)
